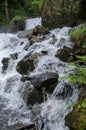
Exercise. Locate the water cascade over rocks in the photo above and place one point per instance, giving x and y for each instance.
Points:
(33, 94)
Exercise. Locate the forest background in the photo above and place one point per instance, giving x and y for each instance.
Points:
(12, 8)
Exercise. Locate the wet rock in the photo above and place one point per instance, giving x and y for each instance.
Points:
(35, 96)
(21, 126)
(46, 80)
(14, 56)
(31, 95)
(24, 78)
(25, 33)
(65, 92)
(40, 30)
(35, 111)
(27, 63)
(34, 35)
(26, 47)
(44, 52)
(5, 62)
(18, 24)
(65, 54)
(53, 41)
(34, 39)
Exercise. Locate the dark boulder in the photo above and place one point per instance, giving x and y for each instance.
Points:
(27, 63)
(31, 95)
(46, 80)
(5, 62)
(25, 33)
(65, 54)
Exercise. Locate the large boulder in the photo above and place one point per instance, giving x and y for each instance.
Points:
(46, 80)
(59, 13)
(65, 54)
(27, 63)
(31, 95)
(37, 34)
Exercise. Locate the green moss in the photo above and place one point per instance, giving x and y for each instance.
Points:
(79, 36)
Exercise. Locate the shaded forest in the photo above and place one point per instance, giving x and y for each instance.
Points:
(11, 8)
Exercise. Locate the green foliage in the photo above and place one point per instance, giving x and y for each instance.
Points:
(82, 106)
(79, 36)
(78, 75)
(81, 58)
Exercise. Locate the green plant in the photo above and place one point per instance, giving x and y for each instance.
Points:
(79, 36)
(82, 106)
(81, 58)
(78, 75)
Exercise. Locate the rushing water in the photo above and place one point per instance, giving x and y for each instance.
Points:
(12, 107)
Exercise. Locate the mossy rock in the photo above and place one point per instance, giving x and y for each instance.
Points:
(18, 23)
(56, 13)
(79, 38)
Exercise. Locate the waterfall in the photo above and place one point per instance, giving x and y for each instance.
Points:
(13, 109)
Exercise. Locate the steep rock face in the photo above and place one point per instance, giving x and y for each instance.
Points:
(59, 13)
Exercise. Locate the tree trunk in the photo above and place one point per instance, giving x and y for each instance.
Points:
(6, 9)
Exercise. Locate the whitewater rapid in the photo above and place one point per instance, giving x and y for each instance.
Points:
(12, 106)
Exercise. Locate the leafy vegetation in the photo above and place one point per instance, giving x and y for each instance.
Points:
(81, 58)
(78, 75)
(79, 36)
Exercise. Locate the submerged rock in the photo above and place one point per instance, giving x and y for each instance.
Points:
(5, 62)
(65, 92)
(14, 56)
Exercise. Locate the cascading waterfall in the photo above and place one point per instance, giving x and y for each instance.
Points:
(12, 107)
